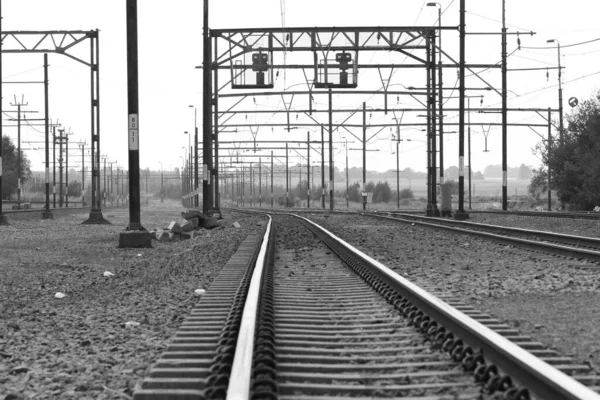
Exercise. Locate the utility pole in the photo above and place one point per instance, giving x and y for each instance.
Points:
(118, 189)
(46, 214)
(82, 145)
(135, 235)
(271, 179)
(67, 170)
(323, 167)
(330, 151)
(18, 105)
(54, 165)
(440, 99)
(287, 180)
(398, 167)
(3, 219)
(260, 182)
(308, 170)
(206, 115)
(364, 157)
(243, 187)
(433, 114)
(60, 167)
(196, 182)
(504, 112)
(469, 147)
(104, 185)
(347, 177)
(461, 214)
(111, 184)
(560, 97)
(548, 156)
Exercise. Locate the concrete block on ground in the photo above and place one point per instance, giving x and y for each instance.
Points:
(195, 222)
(236, 225)
(174, 227)
(162, 235)
(185, 235)
(211, 223)
(174, 237)
(194, 234)
(134, 239)
(186, 226)
(192, 214)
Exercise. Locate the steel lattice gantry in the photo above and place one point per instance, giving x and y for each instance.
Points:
(242, 64)
(64, 42)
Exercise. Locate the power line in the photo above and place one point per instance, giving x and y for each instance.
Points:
(563, 46)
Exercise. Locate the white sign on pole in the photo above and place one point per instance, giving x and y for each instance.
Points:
(134, 139)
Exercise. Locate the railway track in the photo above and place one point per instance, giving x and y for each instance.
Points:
(321, 320)
(533, 214)
(579, 247)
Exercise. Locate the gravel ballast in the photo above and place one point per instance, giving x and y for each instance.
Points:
(99, 340)
(542, 295)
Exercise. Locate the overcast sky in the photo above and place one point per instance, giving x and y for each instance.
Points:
(171, 47)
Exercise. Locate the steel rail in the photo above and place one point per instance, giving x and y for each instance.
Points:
(546, 214)
(532, 244)
(571, 239)
(241, 368)
(535, 374)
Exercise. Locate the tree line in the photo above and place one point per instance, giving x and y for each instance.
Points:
(573, 162)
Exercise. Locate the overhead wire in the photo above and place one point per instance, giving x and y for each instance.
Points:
(562, 46)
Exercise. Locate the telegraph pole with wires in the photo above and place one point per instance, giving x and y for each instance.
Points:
(19, 112)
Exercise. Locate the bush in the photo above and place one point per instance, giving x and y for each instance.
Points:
(406, 194)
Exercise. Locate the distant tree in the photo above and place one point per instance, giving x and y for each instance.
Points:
(9, 167)
(451, 172)
(454, 186)
(524, 172)
(382, 193)
(539, 183)
(406, 194)
(74, 189)
(493, 171)
(574, 161)
(478, 176)
(354, 192)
